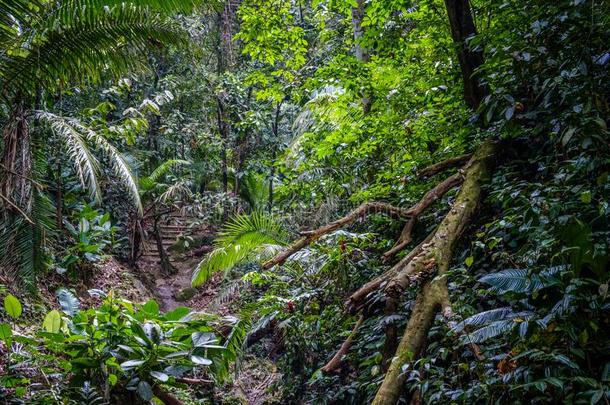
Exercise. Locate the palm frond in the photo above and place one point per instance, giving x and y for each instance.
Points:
(492, 330)
(81, 43)
(484, 317)
(242, 237)
(85, 163)
(164, 168)
(75, 134)
(179, 191)
(513, 280)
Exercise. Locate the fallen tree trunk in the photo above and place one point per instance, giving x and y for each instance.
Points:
(435, 255)
(357, 299)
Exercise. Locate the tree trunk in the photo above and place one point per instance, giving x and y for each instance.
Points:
(462, 28)
(435, 257)
(361, 52)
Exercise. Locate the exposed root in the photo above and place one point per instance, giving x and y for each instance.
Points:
(427, 200)
(337, 359)
(311, 236)
(444, 165)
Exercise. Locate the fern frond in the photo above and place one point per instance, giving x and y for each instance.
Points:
(513, 280)
(485, 317)
(492, 330)
(162, 170)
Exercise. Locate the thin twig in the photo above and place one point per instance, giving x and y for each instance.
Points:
(9, 202)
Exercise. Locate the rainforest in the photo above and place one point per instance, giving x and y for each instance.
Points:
(304, 202)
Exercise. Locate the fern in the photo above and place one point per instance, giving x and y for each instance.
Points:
(149, 182)
(485, 317)
(492, 330)
(243, 237)
(513, 280)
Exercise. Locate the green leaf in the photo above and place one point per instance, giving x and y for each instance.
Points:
(586, 197)
(145, 391)
(68, 302)
(469, 260)
(159, 376)
(177, 314)
(52, 322)
(201, 360)
(5, 332)
(12, 306)
(201, 339)
(112, 379)
(129, 364)
(151, 307)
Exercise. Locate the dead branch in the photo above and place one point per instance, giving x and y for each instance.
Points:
(19, 210)
(337, 359)
(310, 236)
(444, 165)
(427, 200)
(194, 381)
(166, 397)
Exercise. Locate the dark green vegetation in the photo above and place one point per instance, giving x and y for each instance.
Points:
(392, 201)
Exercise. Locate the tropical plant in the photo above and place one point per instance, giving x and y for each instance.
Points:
(121, 346)
(244, 237)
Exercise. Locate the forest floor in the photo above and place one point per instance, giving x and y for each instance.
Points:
(253, 375)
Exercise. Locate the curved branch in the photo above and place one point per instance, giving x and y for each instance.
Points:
(311, 236)
(337, 359)
(444, 165)
(427, 200)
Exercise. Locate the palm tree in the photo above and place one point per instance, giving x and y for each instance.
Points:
(46, 46)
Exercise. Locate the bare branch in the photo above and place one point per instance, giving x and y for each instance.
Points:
(337, 359)
(444, 165)
(427, 200)
(311, 236)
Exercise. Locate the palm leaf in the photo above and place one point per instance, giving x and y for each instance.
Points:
(243, 237)
(82, 40)
(85, 163)
(74, 134)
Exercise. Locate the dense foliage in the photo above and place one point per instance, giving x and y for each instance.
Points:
(266, 121)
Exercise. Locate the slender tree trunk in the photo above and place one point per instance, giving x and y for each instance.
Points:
(59, 197)
(275, 129)
(463, 28)
(361, 52)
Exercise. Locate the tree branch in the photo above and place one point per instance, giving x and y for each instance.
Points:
(337, 359)
(356, 300)
(444, 165)
(435, 256)
(311, 236)
(427, 200)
